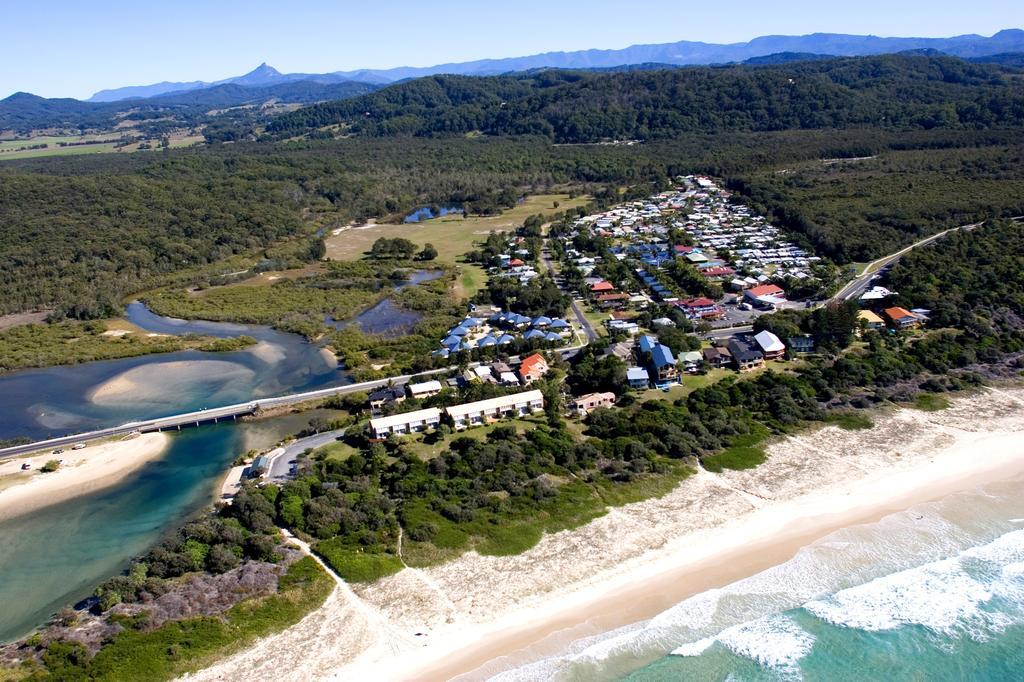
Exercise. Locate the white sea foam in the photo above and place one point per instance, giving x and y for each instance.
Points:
(919, 585)
(948, 597)
(775, 642)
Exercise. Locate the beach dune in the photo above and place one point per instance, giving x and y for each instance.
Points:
(97, 466)
(477, 615)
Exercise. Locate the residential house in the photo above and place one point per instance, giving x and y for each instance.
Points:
(646, 344)
(424, 389)
(586, 404)
(801, 344)
(902, 318)
(717, 356)
(638, 378)
(663, 363)
(623, 350)
(771, 346)
(631, 328)
(609, 301)
(745, 354)
(482, 411)
(691, 360)
(871, 319)
(533, 368)
(409, 422)
(602, 287)
(383, 396)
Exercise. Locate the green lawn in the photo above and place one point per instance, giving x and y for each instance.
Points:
(422, 445)
(471, 279)
(689, 384)
(452, 235)
(337, 451)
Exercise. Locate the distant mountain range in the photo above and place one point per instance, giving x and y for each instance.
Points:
(262, 76)
(23, 112)
(816, 45)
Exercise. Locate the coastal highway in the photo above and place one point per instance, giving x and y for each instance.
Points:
(859, 284)
(214, 414)
(226, 412)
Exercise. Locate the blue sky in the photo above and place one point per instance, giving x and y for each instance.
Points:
(71, 48)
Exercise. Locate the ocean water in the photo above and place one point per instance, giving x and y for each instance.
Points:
(933, 593)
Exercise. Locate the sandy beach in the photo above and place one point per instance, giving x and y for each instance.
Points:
(92, 468)
(476, 615)
(159, 383)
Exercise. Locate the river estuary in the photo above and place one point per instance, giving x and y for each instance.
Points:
(58, 555)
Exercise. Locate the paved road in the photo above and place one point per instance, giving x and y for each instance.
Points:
(215, 414)
(584, 323)
(859, 284)
(280, 463)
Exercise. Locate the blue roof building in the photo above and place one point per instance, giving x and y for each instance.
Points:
(451, 341)
(552, 336)
(505, 339)
(559, 323)
(487, 341)
(541, 321)
(460, 331)
(533, 334)
(662, 356)
(647, 343)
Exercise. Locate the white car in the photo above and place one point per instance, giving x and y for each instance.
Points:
(78, 446)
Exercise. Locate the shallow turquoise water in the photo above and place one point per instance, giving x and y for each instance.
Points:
(934, 593)
(57, 556)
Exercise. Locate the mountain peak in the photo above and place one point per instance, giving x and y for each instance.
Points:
(264, 73)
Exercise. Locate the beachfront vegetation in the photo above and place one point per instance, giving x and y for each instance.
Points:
(176, 647)
(69, 343)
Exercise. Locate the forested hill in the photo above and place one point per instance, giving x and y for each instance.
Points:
(893, 91)
(23, 112)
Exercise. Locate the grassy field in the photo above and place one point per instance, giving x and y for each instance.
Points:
(745, 453)
(17, 149)
(930, 402)
(452, 235)
(471, 279)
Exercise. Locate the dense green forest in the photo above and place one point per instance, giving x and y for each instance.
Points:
(891, 91)
(80, 233)
(857, 209)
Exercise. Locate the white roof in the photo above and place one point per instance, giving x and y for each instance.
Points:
(769, 342)
(509, 378)
(425, 387)
(405, 418)
(637, 373)
(495, 403)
